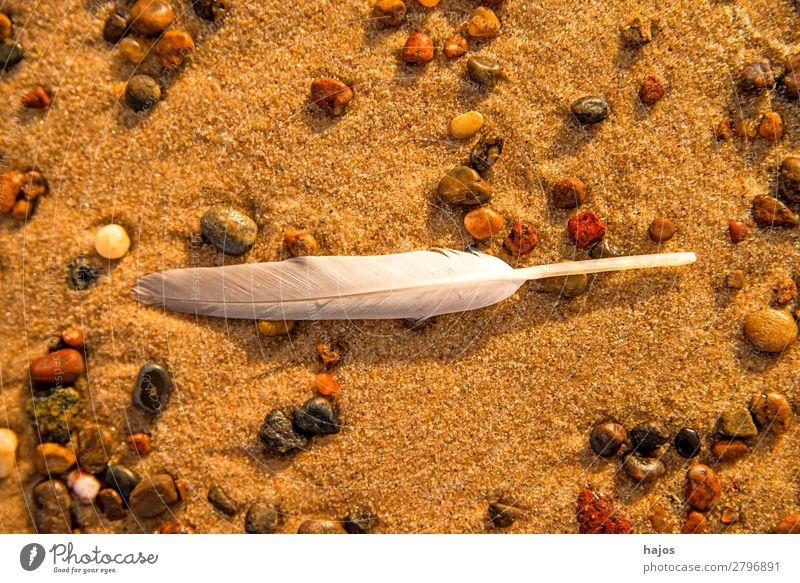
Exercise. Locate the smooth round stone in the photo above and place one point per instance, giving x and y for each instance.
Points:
(590, 110)
(51, 503)
(53, 458)
(463, 185)
(271, 329)
(132, 49)
(5, 26)
(361, 520)
(153, 496)
(228, 229)
(606, 438)
(84, 486)
(483, 222)
(647, 437)
(95, 445)
(736, 423)
(320, 527)
(152, 390)
(569, 193)
(729, 451)
(643, 470)
(115, 28)
(703, 489)
(389, 12)
(483, 23)
(789, 178)
(53, 413)
(771, 411)
(110, 503)
(261, 519)
(486, 152)
(142, 92)
(317, 416)
(661, 230)
(279, 436)
(172, 48)
(466, 125)
(11, 54)
(122, 479)
(8, 450)
(58, 367)
(483, 70)
(770, 330)
(687, 443)
(222, 501)
(151, 17)
(112, 242)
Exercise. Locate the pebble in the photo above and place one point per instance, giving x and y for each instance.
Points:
(142, 92)
(110, 503)
(72, 337)
(22, 210)
(695, 523)
(84, 486)
(5, 26)
(229, 230)
(785, 291)
(173, 48)
(320, 527)
(770, 330)
(637, 33)
(389, 12)
(483, 222)
(598, 513)
(643, 470)
(261, 519)
(153, 496)
(771, 412)
(724, 129)
(8, 450)
(152, 389)
(51, 503)
(486, 152)
(177, 527)
(660, 519)
(115, 27)
(661, 230)
(590, 110)
(503, 514)
(605, 248)
(522, 239)
(758, 75)
(36, 98)
(112, 242)
(151, 17)
(586, 229)
(271, 329)
(11, 54)
(653, 89)
(360, 520)
(326, 384)
(300, 243)
(703, 489)
(331, 94)
(278, 435)
(317, 416)
(456, 46)
(789, 178)
(789, 524)
(53, 458)
(122, 479)
(771, 126)
(330, 353)
(647, 437)
(569, 286)
(212, 10)
(466, 125)
(735, 279)
(791, 77)
(53, 413)
(418, 48)
(222, 501)
(729, 515)
(483, 23)
(139, 443)
(569, 193)
(687, 443)
(483, 70)
(606, 438)
(81, 275)
(729, 451)
(132, 49)
(738, 231)
(61, 366)
(10, 189)
(95, 445)
(746, 128)
(770, 212)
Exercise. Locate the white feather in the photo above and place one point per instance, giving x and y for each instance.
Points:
(414, 285)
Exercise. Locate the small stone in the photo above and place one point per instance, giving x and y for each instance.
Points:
(687, 443)
(212, 10)
(703, 489)
(331, 94)
(735, 279)
(758, 75)
(84, 486)
(643, 470)
(152, 390)
(729, 451)
(53, 412)
(483, 222)
(112, 242)
(22, 210)
(271, 329)
(770, 212)
(60, 367)
(729, 515)
(317, 416)
(122, 479)
(598, 513)
(483, 70)
(110, 503)
(5, 26)
(789, 524)
(10, 189)
(153, 496)
(653, 89)
(463, 185)
(133, 50)
(320, 527)
(791, 78)
(389, 12)
(177, 527)
(52, 458)
(11, 54)
(771, 412)
(222, 501)
(586, 229)
(361, 520)
(279, 436)
(51, 503)
(95, 445)
(261, 519)
(81, 275)
(139, 443)
(8, 450)
(660, 520)
(724, 129)
(418, 48)
(503, 514)
(172, 49)
(590, 110)
(771, 126)
(483, 23)
(142, 92)
(637, 33)
(522, 239)
(300, 243)
(229, 230)
(695, 523)
(789, 177)
(72, 337)
(605, 248)
(661, 230)
(647, 437)
(569, 193)
(486, 152)
(606, 438)
(746, 128)
(36, 98)
(326, 384)
(151, 17)
(568, 286)
(738, 231)
(456, 46)
(429, 3)
(466, 125)
(330, 353)
(115, 28)
(785, 291)
(770, 330)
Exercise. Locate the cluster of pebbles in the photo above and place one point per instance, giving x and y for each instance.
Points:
(20, 191)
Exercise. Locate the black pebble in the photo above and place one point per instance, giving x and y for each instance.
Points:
(222, 501)
(360, 521)
(81, 275)
(122, 479)
(10, 55)
(278, 435)
(261, 519)
(317, 416)
(687, 443)
(152, 389)
(647, 437)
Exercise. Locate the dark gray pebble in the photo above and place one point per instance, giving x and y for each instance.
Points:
(317, 416)
(647, 437)
(10, 55)
(261, 519)
(153, 496)
(82, 275)
(590, 110)
(152, 390)
(122, 479)
(115, 28)
(360, 520)
(687, 443)
(222, 501)
(279, 436)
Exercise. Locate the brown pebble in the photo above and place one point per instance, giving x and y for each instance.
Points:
(300, 243)
(729, 451)
(115, 27)
(791, 78)
(10, 188)
(331, 94)
(735, 279)
(51, 503)
(22, 209)
(770, 330)
(172, 48)
(746, 128)
(222, 501)
(273, 328)
(95, 444)
(503, 513)
(660, 520)
(653, 89)
(569, 193)
(34, 185)
(789, 524)
(418, 48)
(330, 353)
(770, 212)
(784, 291)
(483, 23)
(661, 230)
(637, 32)
(456, 46)
(703, 489)
(771, 412)
(110, 503)
(53, 458)
(758, 75)
(789, 178)
(724, 129)
(61, 366)
(36, 98)
(72, 337)
(320, 527)
(738, 231)
(389, 12)
(695, 523)
(570, 286)
(483, 222)
(153, 495)
(151, 17)
(771, 126)
(729, 515)
(522, 239)
(139, 443)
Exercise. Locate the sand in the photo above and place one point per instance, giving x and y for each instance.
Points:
(437, 422)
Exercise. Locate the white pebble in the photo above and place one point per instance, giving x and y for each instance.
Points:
(112, 242)
(8, 447)
(84, 486)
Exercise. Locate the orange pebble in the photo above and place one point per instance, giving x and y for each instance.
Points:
(326, 384)
(72, 337)
(139, 443)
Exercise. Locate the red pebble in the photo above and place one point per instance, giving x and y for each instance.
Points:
(36, 98)
(586, 229)
(598, 513)
(738, 231)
